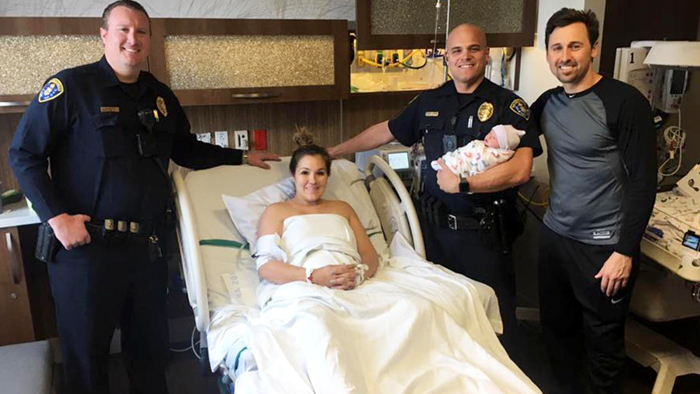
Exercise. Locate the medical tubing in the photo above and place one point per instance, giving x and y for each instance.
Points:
(674, 136)
(529, 201)
(191, 344)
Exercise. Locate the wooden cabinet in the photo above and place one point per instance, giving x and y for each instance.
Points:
(224, 61)
(33, 49)
(16, 324)
(205, 61)
(393, 24)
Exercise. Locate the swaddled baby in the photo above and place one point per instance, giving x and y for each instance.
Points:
(477, 156)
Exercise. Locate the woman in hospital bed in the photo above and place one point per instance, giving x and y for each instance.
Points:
(328, 326)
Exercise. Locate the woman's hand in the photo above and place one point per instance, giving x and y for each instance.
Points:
(339, 277)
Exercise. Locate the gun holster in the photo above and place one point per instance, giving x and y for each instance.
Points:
(46, 244)
(507, 224)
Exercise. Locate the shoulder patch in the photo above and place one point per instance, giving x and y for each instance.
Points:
(519, 106)
(51, 90)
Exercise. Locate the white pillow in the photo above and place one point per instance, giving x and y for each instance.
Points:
(246, 211)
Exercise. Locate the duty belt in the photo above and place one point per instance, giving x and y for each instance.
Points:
(121, 229)
(459, 222)
(116, 232)
(437, 214)
(477, 221)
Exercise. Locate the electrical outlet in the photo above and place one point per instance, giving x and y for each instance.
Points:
(204, 137)
(221, 138)
(240, 139)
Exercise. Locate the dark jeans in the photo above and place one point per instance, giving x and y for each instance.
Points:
(584, 329)
(94, 289)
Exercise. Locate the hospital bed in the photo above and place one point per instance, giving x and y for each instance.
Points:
(213, 249)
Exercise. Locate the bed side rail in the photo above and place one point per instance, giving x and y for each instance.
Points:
(406, 203)
(191, 259)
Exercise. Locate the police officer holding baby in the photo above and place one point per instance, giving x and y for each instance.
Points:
(468, 223)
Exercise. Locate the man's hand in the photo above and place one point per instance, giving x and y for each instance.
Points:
(333, 152)
(258, 159)
(614, 274)
(70, 230)
(448, 182)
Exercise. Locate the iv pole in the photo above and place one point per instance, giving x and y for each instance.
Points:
(447, 33)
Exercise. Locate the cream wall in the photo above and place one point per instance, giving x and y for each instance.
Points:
(535, 77)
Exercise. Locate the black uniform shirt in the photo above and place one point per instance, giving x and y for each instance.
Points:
(441, 111)
(85, 122)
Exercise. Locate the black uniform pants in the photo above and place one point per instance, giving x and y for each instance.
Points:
(94, 289)
(584, 329)
(465, 252)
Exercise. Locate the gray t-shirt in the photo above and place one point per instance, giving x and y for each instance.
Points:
(602, 161)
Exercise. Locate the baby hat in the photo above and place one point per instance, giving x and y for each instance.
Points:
(508, 136)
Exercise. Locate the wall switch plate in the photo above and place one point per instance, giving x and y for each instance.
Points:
(240, 139)
(204, 137)
(221, 138)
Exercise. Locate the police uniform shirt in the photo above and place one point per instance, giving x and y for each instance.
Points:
(441, 111)
(86, 123)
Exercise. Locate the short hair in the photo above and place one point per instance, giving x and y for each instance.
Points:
(123, 3)
(566, 16)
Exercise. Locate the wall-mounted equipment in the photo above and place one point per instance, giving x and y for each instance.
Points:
(659, 69)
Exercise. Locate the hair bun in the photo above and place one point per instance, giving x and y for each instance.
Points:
(303, 137)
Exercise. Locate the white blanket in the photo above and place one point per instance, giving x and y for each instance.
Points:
(413, 328)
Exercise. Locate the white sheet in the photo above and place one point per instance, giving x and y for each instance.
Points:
(237, 308)
(414, 328)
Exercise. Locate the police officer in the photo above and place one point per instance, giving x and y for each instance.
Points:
(108, 131)
(459, 223)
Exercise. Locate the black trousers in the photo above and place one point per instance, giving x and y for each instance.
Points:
(465, 252)
(584, 329)
(95, 288)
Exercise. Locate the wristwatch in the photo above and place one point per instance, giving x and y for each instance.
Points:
(463, 185)
(244, 158)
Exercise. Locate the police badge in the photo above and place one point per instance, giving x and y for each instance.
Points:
(160, 103)
(485, 111)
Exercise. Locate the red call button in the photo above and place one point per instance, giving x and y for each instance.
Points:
(260, 139)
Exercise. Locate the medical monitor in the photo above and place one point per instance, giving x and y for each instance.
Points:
(399, 160)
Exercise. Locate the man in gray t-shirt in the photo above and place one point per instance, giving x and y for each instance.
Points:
(602, 166)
